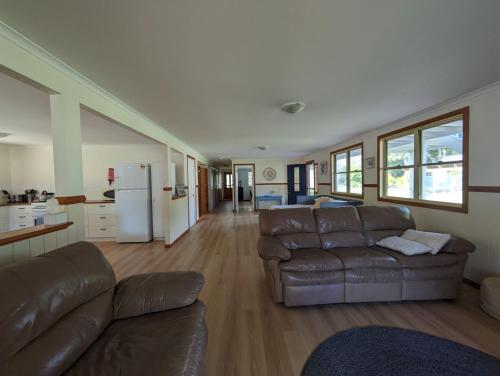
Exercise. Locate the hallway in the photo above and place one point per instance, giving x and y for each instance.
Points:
(248, 333)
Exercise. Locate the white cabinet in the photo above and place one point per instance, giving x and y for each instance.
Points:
(100, 220)
(4, 218)
(21, 217)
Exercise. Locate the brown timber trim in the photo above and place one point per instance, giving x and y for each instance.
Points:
(71, 200)
(31, 232)
(484, 188)
(167, 189)
(470, 282)
(91, 202)
(333, 166)
(325, 184)
(176, 240)
(368, 185)
(464, 208)
(178, 197)
(271, 183)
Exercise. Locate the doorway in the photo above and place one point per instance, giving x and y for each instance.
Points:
(227, 190)
(297, 186)
(244, 187)
(191, 175)
(203, 190)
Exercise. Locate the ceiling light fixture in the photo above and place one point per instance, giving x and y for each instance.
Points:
(263, 147)
(293, 107)
(3, 135)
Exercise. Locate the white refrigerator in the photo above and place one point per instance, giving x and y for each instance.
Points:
(133, 202)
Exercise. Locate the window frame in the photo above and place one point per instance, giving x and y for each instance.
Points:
(315, 169)
(416, 130)
(333, 167)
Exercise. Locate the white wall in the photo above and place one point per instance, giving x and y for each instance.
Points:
(31, 167)
(5, 180)
(98, 158)
(481, 224)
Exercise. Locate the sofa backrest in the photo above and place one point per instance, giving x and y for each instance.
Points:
(382, 221)
(296, 228)
(339, 227)
(53, 307)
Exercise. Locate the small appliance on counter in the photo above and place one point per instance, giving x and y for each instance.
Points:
(31, 194)
(4, 197)
(44, 196)
(18, 198)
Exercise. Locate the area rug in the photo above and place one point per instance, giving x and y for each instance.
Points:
(377, 351)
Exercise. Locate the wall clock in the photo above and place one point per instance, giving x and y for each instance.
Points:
(269, 173)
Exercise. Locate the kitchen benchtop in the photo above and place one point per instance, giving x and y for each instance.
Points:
(99, 201)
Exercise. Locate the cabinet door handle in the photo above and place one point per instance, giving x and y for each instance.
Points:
(102, 217)
(102, 206)
(22, 216)
(102, 229)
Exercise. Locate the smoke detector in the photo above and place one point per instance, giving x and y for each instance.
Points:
(293, 107)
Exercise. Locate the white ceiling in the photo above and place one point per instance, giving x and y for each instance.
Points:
(214, 73)
(25, 115)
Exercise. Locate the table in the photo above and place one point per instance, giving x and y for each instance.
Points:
(268, 199)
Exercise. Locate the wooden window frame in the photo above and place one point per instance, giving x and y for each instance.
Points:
(416, 129)
(333, 167)
(315, 167)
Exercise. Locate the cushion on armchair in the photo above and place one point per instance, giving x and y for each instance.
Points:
(156, 292)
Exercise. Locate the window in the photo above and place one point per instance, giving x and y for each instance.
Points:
(229, 180)
(347, 171)
(312, 178)
(426, 164)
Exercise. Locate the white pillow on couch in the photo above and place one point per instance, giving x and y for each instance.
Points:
(405, 246)
(432, 239)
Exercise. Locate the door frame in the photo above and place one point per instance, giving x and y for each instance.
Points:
(195, 193)
(235, 184)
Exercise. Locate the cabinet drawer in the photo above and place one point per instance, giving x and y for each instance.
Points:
(101, 220)
(18, 226)
(23, 218)
(20, 209)
(102, 231)
(101, 208)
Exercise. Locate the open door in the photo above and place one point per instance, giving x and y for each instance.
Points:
(297, 185)
(227, 191)
(203, 190)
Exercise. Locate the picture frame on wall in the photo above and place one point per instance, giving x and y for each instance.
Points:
(323, 168)
(369, 162)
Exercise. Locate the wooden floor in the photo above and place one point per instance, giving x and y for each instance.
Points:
(249, 334)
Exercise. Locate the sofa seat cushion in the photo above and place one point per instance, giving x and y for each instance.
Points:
(363, 257)
(312, 278)
(373, 275)
(422, 261)
(312, 259)
(169, 342)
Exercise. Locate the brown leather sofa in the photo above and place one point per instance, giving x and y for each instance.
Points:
(62, 313)
(329, 255)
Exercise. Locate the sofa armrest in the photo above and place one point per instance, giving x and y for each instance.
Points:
(270, 248)
(155, 292)
(458, 245)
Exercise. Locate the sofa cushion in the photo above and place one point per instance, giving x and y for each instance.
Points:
(363, 257)
(300, 240)
(171, 341)
(311, 260)
(339, 227)
(312, 278)
(287, 221)
(422, 261)
(373, 275)
(380, 222)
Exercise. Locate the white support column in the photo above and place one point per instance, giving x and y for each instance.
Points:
(68, 170)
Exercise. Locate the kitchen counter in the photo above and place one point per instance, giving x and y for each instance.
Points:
(18, 203)
(30, 232)
(99, 201)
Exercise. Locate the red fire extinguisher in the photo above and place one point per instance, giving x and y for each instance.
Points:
(111, 175)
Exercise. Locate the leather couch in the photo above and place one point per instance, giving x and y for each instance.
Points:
(63, 313)
(329, 255)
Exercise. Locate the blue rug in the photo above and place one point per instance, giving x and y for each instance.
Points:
(381, 351)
